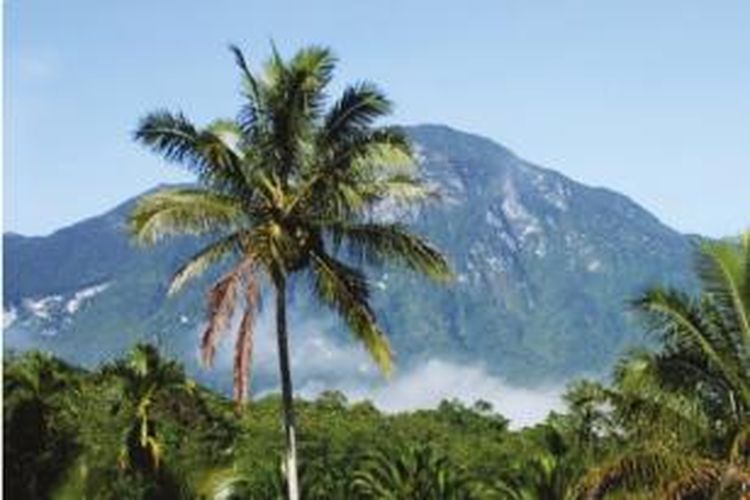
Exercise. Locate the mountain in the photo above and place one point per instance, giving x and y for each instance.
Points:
(545, 267)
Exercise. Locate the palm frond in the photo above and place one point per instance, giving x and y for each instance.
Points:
(648, 410)
(221, 301)
(251, 83)
(230, 136)
(646, 470)
(201, 261)
(355, 111)
(293, 99)
(415, 472)
(722, 268)
(252, 119)
(372, 150)
(311, 71)
(401, 188)
(683, 322)
(345, 289)
(172, 212)
(378, 243)
(708, 481)
(243, 351)
(202, 152)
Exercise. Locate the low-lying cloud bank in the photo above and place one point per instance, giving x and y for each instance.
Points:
(323, 363)
(431, 382)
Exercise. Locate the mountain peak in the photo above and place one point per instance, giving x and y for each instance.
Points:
(444, 139)
(544, 267)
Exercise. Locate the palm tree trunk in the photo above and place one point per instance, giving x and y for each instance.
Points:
(290, 458)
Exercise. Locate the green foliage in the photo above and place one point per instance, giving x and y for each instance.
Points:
(207, 449)
(418, 473)
(35, 387)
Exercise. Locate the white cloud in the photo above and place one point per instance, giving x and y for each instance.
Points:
(436, 380)
(429, 383)
(320, 363)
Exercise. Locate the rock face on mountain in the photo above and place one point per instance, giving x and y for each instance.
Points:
(544, 265)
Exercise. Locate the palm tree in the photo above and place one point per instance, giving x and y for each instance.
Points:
(687, 407)
(144, 376)
(288, 187)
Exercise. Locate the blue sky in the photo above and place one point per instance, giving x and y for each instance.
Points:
(648, 98)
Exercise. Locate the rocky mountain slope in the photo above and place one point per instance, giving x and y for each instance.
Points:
(545, 267)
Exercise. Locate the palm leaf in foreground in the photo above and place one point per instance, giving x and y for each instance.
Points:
(686, 410)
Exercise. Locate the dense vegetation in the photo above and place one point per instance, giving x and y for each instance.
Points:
(138, 429)
(672, 423)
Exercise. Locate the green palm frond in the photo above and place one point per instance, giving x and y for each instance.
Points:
(684, 409)
(723, 271)
(382, 154)
(369, 152)
(415, 472)
(648, 410)
(401, 188)
(171, 212)
(230, 136)
(378, 243)
(206, 153)
(680, 368)
(688, 324)
(345, 289)
(311, 70)
(227, 483)
(203, 260)
(293, 99)
(354, 112)
(252, 86)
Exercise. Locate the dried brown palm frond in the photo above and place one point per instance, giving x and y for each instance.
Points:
(243, 352)
(221, 301)
(713, 480)
(656, 471)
